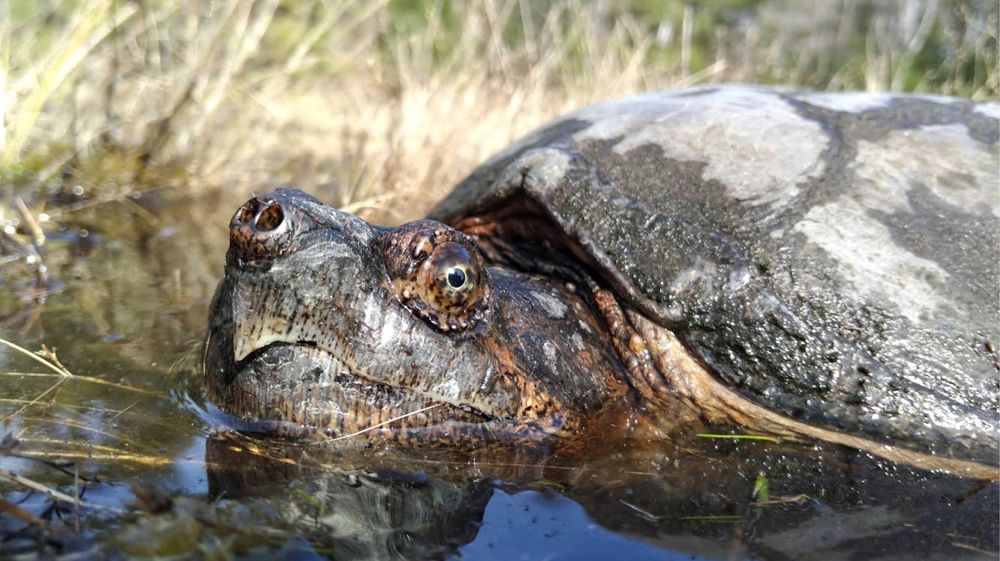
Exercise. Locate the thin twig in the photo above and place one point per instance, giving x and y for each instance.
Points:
(67, 406)
(34, 401)
(57, 214)
(76, 495)
(382, 424)
(61, 371)
(122, 412)
(65, 373)
(36, 231)
(18, 512)
(972, 548)
(62, 421)
(35, 486)
(143, 460)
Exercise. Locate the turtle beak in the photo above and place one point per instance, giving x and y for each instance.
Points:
(252, 332)
(276, 239)
(271, 313)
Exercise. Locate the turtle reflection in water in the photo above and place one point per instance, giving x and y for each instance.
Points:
(817, 266)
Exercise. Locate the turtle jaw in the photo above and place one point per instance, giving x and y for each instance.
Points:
(300, 388)
(335, 361)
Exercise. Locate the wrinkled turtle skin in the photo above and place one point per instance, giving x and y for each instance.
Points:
(804, 264)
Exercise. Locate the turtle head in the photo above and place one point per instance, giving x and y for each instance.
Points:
(326, 323)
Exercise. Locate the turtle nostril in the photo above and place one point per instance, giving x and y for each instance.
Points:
(247, 211)
(260, 229)
(270, 218)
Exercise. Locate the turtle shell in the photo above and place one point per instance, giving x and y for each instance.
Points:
(833, 256)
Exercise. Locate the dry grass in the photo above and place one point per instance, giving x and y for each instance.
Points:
(380, 110)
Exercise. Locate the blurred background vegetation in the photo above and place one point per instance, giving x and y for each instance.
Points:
(383, 105)
(379, 107)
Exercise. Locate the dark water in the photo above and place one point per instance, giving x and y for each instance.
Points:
(125, 313)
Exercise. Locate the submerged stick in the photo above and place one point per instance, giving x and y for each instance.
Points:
(35, 486)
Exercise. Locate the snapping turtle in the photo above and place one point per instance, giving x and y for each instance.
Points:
(803, 264)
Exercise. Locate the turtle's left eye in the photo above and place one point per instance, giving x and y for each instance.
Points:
(438, 274)
(448, 278)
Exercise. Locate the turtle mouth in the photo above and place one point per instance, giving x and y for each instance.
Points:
(329, 359)
(302, 388)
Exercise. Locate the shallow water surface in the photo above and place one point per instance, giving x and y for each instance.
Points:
(131, 433)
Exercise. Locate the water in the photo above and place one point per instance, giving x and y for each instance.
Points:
(126, 314)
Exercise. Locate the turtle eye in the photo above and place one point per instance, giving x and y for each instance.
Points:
(437, 273)
(448, 278)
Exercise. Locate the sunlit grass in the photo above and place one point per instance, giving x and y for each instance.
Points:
(380, 107)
